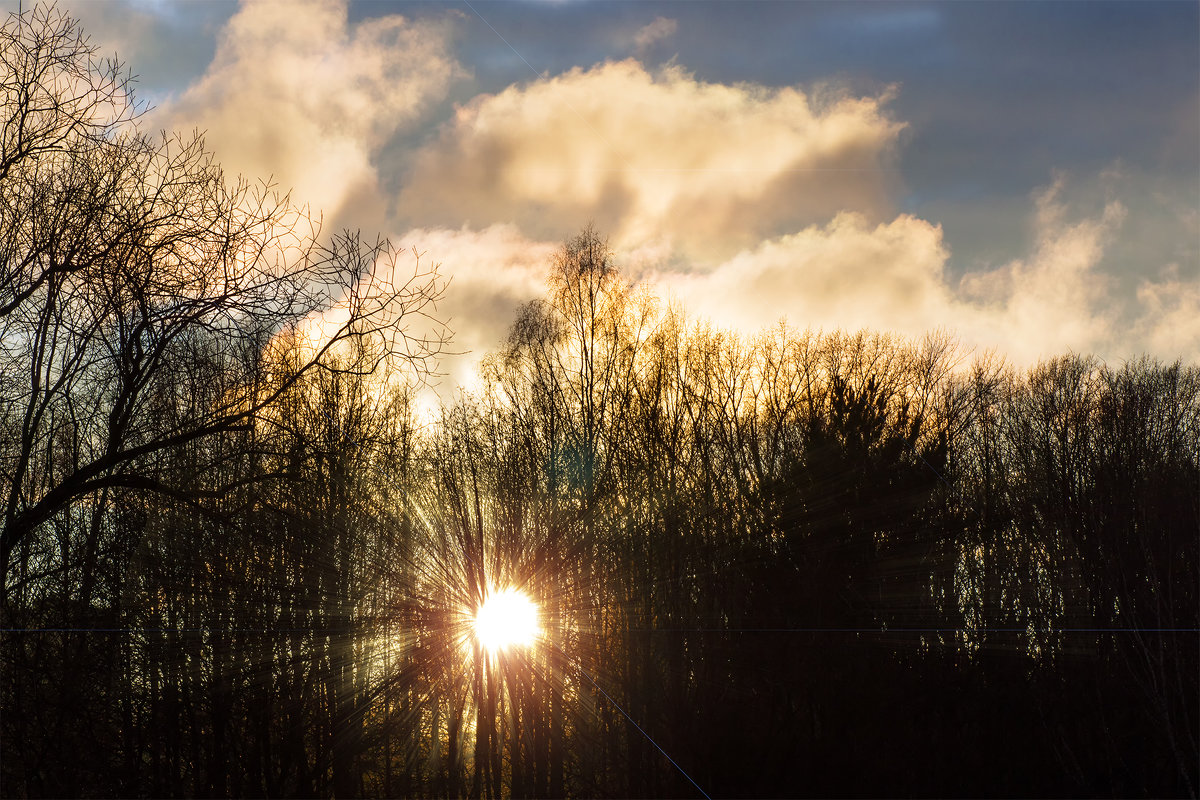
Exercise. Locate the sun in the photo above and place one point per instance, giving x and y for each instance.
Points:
(506, 618)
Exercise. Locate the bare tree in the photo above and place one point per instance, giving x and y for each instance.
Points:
(132, 268)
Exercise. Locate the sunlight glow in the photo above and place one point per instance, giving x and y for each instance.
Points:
(506, 618)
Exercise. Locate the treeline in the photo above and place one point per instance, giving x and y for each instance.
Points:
(830, 564)
(238, 563)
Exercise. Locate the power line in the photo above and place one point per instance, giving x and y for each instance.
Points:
(642, 730)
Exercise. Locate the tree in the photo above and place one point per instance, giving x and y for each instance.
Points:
(133, 270)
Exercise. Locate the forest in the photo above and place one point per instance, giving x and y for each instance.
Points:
(239, 562)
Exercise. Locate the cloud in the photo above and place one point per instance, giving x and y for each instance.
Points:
(1057, 299)
(713, 167)
(489, 274)
(661, 28)
(125, 28)
(744, 202)
(1170, 324)
(298, 92)
(845, 274)
(164, 43)
(493, 272)
(893, 276)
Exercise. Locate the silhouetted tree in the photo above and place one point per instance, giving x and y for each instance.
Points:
(238, 563)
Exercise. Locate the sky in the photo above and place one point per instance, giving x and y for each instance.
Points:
(1024, 174)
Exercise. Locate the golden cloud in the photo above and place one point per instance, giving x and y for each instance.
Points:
(745, 203)
(846, 274)
(493, 272)
(297, 92)
(893, 277)
(1171, 323)
(709, 166)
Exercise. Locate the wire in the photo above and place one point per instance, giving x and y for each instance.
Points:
(642, 730)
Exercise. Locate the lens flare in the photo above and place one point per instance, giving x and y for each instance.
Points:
(506, 618)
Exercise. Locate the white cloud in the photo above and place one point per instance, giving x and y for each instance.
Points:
(846, 274)
(1057, 299)
(712, 167)
(297, 92)
(892, 277)
(493, 272)
(1170, 324)
(746, 203)
(661, 28)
